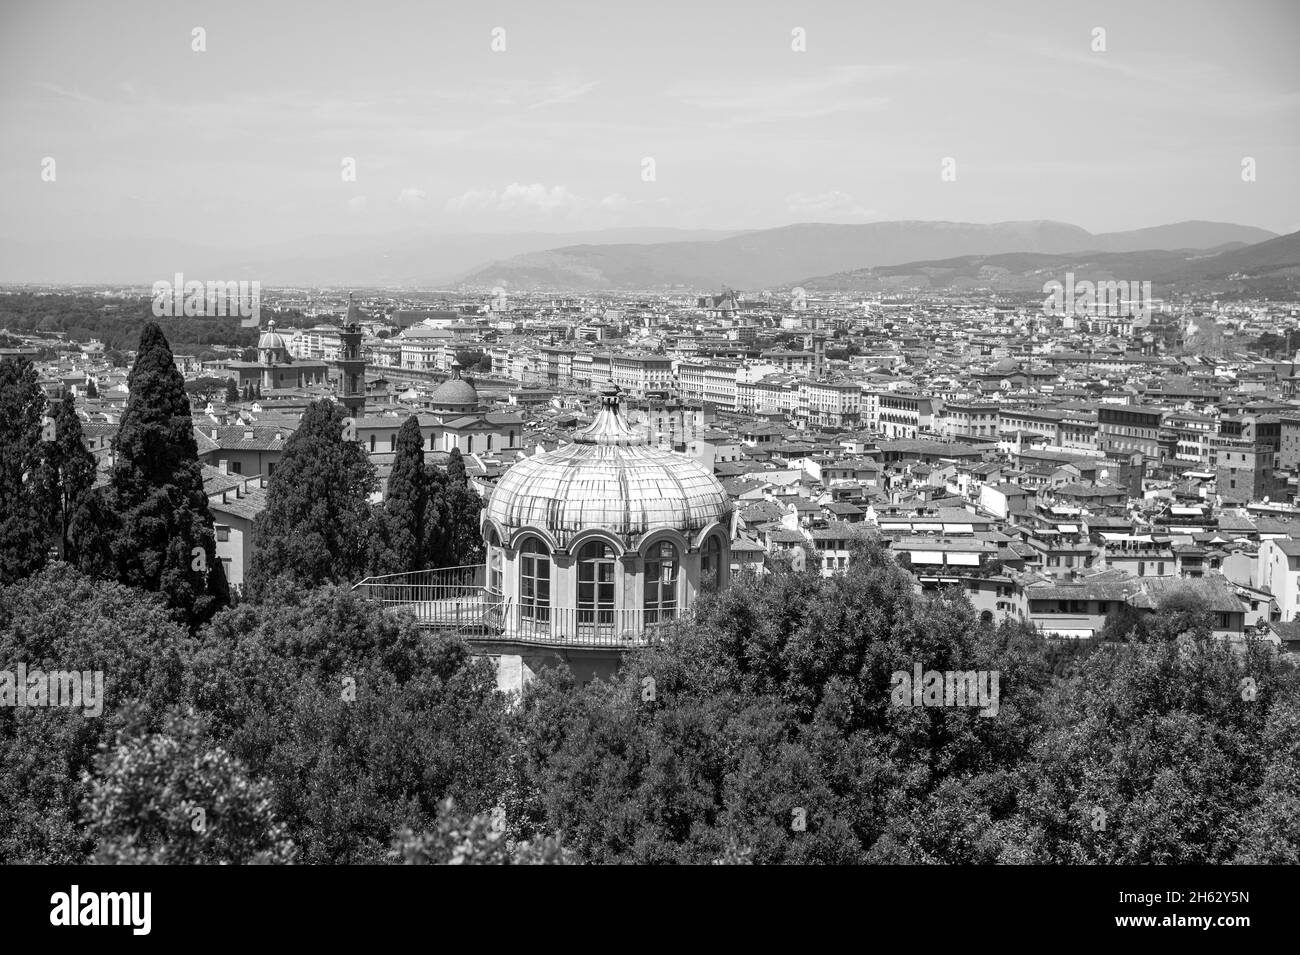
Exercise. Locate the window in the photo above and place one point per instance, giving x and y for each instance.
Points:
(223, 532)
(535, 581)
(711, 562)
(661, 567)
(493, 563)
(595, 587)
(236, 467)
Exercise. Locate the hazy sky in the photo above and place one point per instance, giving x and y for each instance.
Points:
(244, 143)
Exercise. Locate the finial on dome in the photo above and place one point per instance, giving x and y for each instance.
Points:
(609, 426)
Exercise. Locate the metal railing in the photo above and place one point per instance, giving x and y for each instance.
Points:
(425, 586)
(456, 598)
(568, 626)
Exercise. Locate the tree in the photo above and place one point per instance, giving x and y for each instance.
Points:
(25, 528)
(361, 723)
(60, 619)
(206, 388)
(92, 390)
(232, 392)
(316, 525)
(66, 476)
(470, 357)
(770, 732)
(1158, 752)
(474, 840)
(174, 798)
(401, 537)
(165, 542)
(460, 507)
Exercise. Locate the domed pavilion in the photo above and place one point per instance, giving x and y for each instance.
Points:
(590, 550)
(599, 540)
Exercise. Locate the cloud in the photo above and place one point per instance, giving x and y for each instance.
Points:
(410, 196)
(57, 90)
(357, 205)
(834, 204)
(853, 88)
(516, 197)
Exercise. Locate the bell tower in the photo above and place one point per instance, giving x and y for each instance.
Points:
(351, 364)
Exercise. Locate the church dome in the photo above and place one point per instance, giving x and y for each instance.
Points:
(454, 394)
(611, 479)
(271, 340)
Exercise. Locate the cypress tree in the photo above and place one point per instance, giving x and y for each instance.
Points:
(401, 534)
(461, 508)
(67, 477)
(165, 542)
(316, 527)
(24, 509)
(437, 537)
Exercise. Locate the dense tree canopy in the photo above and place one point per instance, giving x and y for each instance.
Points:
(767, 728)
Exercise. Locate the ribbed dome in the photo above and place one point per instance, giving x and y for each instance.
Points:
(271, 339)
(609, 479)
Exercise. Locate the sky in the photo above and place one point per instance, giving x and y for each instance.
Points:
(244, 142)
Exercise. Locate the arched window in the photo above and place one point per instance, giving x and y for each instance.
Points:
(493, 562)
(535, 581)
(661, 583)
(595, 588)
(711, 562)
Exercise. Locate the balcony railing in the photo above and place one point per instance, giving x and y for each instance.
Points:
(456, 598)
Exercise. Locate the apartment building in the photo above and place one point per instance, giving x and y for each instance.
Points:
(712, 382)
(1123, 429)
(835, 404)
(643, 375)
(969, 419)
(898, 414)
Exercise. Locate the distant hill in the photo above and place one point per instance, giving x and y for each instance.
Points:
(780, 257)
(409, 259)
(1267, 268)
(610, 259)
(1180, 235)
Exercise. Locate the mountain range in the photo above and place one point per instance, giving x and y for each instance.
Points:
(780, 257)
(862, 257)
(1265, 269)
